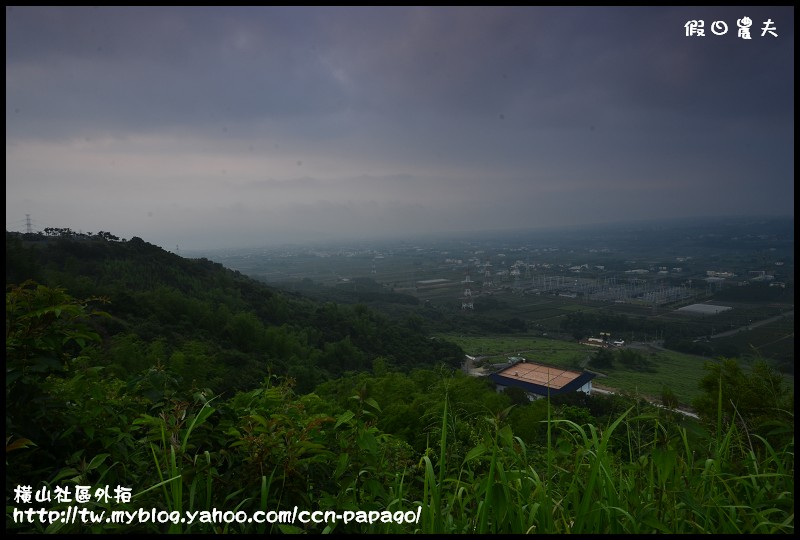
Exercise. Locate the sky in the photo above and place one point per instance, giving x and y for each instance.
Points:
(219, 127)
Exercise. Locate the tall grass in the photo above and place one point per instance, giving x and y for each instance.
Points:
(583, 482)
(174, 445)
(640, 473)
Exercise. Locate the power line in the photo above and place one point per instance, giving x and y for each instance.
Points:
(26, 225)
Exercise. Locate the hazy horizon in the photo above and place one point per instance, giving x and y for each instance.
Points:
(217, 127)
(554, 233)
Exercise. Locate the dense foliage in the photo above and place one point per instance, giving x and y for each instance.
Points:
(190, 395)
(214, 327)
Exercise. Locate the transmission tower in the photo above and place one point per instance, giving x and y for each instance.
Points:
(487, 275)
(515, 273)
(466, 299)
(28, 227)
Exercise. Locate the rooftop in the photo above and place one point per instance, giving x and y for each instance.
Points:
(540, 374)
(705, 309)
(541, 379)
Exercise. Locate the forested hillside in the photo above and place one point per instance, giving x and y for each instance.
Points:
(213, 327)
(199, 389)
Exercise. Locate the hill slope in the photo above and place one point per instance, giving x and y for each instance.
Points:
(214, 327)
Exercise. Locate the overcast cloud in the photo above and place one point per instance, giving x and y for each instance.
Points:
(210, 127)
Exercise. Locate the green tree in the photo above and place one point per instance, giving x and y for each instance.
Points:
(47, 333)
(754, 400)
(603, 358)
(633, 359)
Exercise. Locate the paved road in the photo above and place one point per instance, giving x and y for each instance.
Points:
(608, 391)
(753, 325)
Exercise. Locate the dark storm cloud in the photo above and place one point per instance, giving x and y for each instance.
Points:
(147, 69)
(438, 117)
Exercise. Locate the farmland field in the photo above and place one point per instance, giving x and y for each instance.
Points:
(540, 291)
(666, 369)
